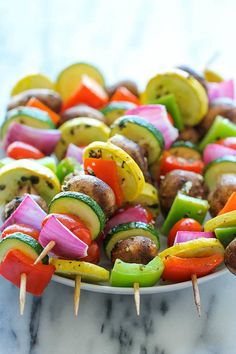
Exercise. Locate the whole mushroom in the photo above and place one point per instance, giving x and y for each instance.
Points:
(225, 186)
(95, 188)
(190, 183)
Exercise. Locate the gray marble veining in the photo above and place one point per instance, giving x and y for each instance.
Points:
(108, 323)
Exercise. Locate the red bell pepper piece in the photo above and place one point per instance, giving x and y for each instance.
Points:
(181, 269)
(38, 275)
(230, 205)
(35, 103)
(89, 92)
(123, 94)
(19, 150)
(170, 162)
(107, 171)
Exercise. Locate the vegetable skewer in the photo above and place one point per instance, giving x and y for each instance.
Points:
(23, 277)
(46, 250)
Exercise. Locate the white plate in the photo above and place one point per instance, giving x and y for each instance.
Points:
(159, 288)
(149, 290)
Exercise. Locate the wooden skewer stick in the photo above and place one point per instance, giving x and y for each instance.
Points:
(77, 294)
(23, 277)
(45, 251)
(196, 293)
(137, 298)
(22, 297)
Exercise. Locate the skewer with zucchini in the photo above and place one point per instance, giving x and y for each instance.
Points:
(114, 179)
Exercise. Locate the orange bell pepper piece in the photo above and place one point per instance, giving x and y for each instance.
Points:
(89, 92)
(230, 205)
(35, 103)
(107, 172)
(123, 94)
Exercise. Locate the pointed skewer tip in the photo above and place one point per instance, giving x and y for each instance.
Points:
(77, 294)
(22, 296)
(196, 294)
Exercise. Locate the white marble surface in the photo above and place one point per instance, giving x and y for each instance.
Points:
(108, 324)
(124, 38)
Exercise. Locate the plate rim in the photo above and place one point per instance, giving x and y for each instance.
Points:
(107, 289)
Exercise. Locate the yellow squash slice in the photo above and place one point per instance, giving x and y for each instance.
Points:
(190, 95)
(130, 176)
(68, 80)
(149, 199)
(30, 82)
(81, 132)
(26, 172)
(89, 272)
(202, 247)
(223, 220)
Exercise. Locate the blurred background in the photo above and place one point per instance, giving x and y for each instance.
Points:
(134, 38)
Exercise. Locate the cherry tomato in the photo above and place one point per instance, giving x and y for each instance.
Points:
(25, 229)
(93, 254)
(170, 162)
(19, 150)
(229, 142)
(185, 224)
(74, 224)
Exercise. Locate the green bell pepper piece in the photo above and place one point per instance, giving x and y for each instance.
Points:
(221, 128)
(225, 235)
(185, 207)
(66, 166)
(126, 274)
(170, 103)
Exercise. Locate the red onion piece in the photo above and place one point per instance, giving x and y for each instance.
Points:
(130, 214)
(67, 244)
(185, 236)
(156, 114)
(220, 89)
(214, 151)
(28, 213)
(43, 139)
(76, 152)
